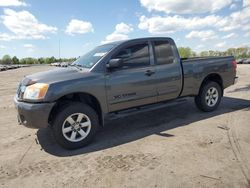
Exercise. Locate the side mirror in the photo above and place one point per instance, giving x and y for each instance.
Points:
(114, 63)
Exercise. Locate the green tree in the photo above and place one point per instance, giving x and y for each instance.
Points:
(15, 60)
(211, 53)
(29, 60)
(231, 51)
(185, 52)
(193, 54)
(242, 52)
(41, 60)
(204, 53)
(6, 59)
(22, 61)
(50, 60)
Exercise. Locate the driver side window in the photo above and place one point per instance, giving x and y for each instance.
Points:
(134, 56)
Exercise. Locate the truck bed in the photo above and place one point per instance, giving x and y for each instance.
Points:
(195, 69)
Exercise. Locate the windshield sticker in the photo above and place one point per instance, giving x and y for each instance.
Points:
(100, 54)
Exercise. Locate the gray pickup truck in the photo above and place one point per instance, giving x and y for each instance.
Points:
(113, 78)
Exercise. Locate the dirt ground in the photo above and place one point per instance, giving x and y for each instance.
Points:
(176, 146)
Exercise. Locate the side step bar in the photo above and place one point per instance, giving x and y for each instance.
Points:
(137, 110)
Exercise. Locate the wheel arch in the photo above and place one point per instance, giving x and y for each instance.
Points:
(83, 97)
(215, 77)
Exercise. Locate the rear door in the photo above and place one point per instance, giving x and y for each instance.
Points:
(132, 84)
(168, 71)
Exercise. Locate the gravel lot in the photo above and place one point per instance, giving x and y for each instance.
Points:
(176, 146)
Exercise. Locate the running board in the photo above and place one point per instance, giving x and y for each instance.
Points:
(147, 108)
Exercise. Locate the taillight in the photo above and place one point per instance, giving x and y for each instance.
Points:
(234, 64)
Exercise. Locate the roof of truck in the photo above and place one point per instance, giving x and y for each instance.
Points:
(139, 39)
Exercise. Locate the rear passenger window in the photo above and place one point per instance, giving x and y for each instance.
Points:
(163, 52)
(134, 56)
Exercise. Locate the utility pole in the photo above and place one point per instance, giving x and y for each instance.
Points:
(59, 49)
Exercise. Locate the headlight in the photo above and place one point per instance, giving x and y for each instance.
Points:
(36, 91)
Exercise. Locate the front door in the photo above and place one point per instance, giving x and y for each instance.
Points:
(133, 83)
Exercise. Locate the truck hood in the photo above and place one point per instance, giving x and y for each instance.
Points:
(55, 75)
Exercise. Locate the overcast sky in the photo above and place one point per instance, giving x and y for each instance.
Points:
(34, 27)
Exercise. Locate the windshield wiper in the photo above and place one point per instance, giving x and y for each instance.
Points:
(77, 66)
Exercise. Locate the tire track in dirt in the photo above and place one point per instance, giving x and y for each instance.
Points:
(127, 162)
(236, 148)
(98, 165)
(122, 163)
(40, 168)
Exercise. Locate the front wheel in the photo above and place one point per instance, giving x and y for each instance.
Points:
(75, 125)
(209, 97)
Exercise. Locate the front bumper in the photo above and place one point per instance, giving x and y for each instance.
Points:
(33, 115)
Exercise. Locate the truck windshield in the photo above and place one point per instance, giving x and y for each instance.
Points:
(92, 57)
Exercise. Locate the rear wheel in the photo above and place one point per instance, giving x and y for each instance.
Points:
(75, 125)
(209, 97)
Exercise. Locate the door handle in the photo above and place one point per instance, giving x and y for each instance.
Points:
(149, 72)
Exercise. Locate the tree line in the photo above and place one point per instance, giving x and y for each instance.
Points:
(238, 53)
(185, 52)
(6, 59)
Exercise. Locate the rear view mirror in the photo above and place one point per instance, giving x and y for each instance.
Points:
(114, 63)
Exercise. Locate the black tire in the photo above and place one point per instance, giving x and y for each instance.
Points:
(60, 119)
(201, 101)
